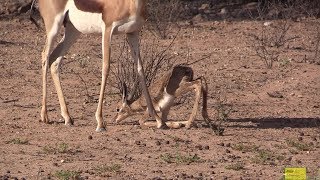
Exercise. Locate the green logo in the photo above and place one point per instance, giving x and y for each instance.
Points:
(295, 174)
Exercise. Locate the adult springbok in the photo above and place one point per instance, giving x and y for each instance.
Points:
(91, 16)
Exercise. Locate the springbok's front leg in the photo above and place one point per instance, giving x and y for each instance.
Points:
(105, 72)
(133, 39)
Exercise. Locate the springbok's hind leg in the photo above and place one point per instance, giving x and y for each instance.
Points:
(106, 43)
(70, 36)
(186, 86)
(51, 36)
(133, 39)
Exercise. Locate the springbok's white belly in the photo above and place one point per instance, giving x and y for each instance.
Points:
(166, 101)
(85, 22)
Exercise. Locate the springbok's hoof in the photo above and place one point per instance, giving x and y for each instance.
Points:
(101, 130)
(162, 126)
(69, 123)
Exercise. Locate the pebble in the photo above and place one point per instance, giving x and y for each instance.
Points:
(199, 147)
(301, 134)
(89, 137)
(137, 142)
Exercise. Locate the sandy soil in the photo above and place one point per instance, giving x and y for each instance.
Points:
(264, 133)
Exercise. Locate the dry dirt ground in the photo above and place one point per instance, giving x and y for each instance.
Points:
(274, 122)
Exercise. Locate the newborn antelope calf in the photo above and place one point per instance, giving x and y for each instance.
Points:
(163, 93)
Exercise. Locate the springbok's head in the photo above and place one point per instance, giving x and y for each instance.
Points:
(124, 108)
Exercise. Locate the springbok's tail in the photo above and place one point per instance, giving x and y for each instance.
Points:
(33, 20)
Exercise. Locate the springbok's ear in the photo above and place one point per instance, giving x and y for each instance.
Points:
(124, 92)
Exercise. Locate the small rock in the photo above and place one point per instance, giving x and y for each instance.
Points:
(289, 158)
(198, 18)
(268, 23)
(300, 138)
(204, 7)
(228, 145)
(137, 142)
(167, 142)
(206, 147)
(221, 144)
(158, 143)
(228, 151)
(301, 134)
(89, 137)
(62, 161)
(223, 11)
(275, 94)
(199, 147)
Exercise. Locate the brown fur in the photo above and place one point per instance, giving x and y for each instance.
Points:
(49, 9)
(94, 6)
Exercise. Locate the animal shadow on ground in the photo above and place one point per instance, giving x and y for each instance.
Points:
(276, 123)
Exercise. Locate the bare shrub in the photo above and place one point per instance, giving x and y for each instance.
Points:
(316, 57)
(287, 9)
(268, 43)
(156, 59)
(163, 14)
